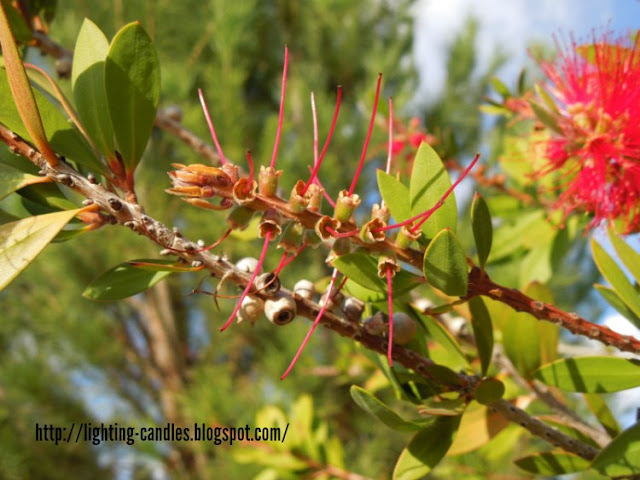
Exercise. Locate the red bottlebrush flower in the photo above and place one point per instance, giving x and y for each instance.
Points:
(596, 145)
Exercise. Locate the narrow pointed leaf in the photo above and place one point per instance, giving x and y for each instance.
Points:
(601, 410)
(616, 277)
(23, 240)
(483, 331)
(429, 181)
(616, 302)
(370, 404)
(426, 449)
(443, 407)
(552, 463)
(21, 89)
(12, 179)
(591, 374)
(477, 428)
(155, 265)
(630, 258)
(132, 83)
(622, 455)
(396, 195)
(445, 265)
(482, 228)
(362, 269)
(123, 281)
(87, 80)
(19, 26)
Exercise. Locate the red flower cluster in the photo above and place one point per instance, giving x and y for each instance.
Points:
(596, 143)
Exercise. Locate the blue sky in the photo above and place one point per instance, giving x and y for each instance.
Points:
(510, 25)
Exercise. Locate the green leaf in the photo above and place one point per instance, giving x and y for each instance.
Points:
(591, 374)
(443, 407)
(87, 80)
(616, 302)
(602, 412)
(545, 116)
(12, 179)
(446, 351)
(395, 195)
(132, 83)
(630, 258)
(20, 88)
(488, 390)
(500, 87)
(445, 265)
(429, 182)
(278, 460)
(482, 228)
(478, 427)
(362, 269)
(64, 138)
(426, 449)
(18, 24)
(616, 277)
(552, 463)
(483, 331)
(370, 404)
(122, 281)
(621, 456)
(23, 240)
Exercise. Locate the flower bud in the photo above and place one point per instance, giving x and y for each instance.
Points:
(345, 206)
(387, 260)
(298, 201)
(281, 309)
(405, 237)
(305, 289)
(245, 192)
(270, 223)
(314, 192)
(368, 233)
(323, 223)
(381, 213)
(268, 181)
(404, 328)
(251, 309)
(247, 264)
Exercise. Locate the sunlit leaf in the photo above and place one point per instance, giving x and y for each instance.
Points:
(23, 240)
(477, 427)
(630, 258)
(613, 299)
(132, 83)
(445, 265)
(599, 407)
(395, 195)
(123, 281)
(370, 404)
(552, 463)
(622, 455)
(591, 374)
(363, 269)
(12, 179)
(429, 182)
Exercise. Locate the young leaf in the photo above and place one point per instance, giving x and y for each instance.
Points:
(591, 374)
(132, 83)
(375, 407)
(87, 81)
(429, 182)
(23, 240)
(552, 463)
(21, 89)
(426, 449)
(123, 281)
(483, 331)
(482, 228)
(621, 456)
(445, 265)
(395, 195)
(616, 277)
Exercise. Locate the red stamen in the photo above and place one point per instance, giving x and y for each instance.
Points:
(211, 129)
(281, 264)
(281, 113)
(334, 121)
(250, 284)
(251, 172)
(324, 191)
(336, 234)
(390, 150)
(366, 142)
(390, 297)
(314, 116)
(315, 324)
(293, 257)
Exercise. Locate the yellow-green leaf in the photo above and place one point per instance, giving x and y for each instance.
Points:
(483, 331)
(23, 240)
(445, 265)
(123, 281)
(552, 463)
(622, 455)
(395, 195)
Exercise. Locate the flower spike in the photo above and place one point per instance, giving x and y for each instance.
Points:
(281, 113)
(212, 130)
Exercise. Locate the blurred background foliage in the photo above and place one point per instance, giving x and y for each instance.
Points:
(65, 359)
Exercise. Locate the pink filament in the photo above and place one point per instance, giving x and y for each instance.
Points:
(211, 129)
(281, 113)
(390, 297)
(390, 150)
(315, 324)
(366, 142)
(251, 171)
(250, 283)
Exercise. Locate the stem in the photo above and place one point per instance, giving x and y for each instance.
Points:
(212, 130)
(368, 138)
(281, 113)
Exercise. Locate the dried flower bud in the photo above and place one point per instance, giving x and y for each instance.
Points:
(305, 289)
(268, 181)
(404, 328)
(200, 176)
(297, 200)
(269, 283)
(251, 309)
(345, 206)
(314, 192)
(387, 260)
(405, 237)
(291, 239)
(247, 264)
(245, 192)
(281, 309)
(232, 171)
(380, 212)
(323, 223)
(270, 223)
(353, 308)
(368, 233)
(239, 217)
